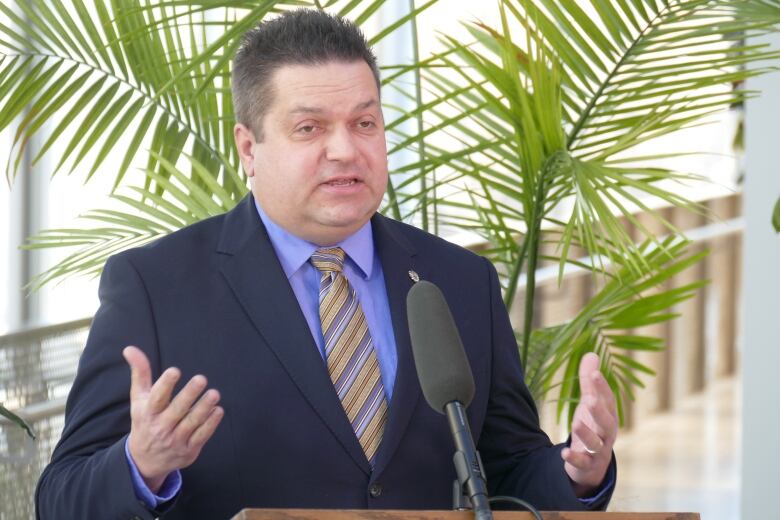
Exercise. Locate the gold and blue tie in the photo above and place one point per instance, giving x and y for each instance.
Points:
(349, 350)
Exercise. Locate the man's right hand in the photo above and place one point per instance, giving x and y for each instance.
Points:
(167, 434)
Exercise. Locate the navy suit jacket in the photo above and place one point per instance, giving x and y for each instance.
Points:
(213, 299)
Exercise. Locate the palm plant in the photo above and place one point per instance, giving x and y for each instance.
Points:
(541, 123)
(546, 112)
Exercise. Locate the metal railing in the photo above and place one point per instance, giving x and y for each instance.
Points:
(37, 367)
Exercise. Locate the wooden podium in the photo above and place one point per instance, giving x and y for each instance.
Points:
(341, 514)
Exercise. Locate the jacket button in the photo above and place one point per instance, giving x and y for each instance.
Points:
(375, 490)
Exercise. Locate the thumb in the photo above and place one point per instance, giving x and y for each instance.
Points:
(588, 365)
(140, 371)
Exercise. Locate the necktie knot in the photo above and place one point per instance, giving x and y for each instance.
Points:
(328, 259)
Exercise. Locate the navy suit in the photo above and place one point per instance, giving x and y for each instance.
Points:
(213, 299)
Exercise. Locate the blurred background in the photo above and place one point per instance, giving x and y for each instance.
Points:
(698, 437)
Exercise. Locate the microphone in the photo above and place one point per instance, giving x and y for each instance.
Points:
(447, 384)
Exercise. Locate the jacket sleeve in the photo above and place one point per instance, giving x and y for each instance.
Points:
(88, 476)
(518, 456)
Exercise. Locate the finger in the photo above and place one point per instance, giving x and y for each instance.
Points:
(583, 435)
(197, 415)
(603, 422)
(588, 364)
(579, 460)
(207, 429)
(140, 371)
(605, 393)
(160, 394)
(181, 404)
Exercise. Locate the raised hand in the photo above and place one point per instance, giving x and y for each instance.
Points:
(167, 434)
(593, 430)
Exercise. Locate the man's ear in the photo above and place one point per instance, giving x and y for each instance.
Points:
(245, 141)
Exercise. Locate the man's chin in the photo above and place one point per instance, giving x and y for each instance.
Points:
(336, 228)
(347, 217)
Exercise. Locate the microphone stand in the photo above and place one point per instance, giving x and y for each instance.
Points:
(471, 481)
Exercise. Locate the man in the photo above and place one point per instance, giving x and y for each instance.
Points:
(292, 308)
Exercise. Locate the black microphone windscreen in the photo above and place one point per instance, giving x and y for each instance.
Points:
(442, 365)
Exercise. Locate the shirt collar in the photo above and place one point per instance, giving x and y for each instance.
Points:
(294, 251)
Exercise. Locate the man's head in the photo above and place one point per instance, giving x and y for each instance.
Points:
(300, 37)
(316, 155)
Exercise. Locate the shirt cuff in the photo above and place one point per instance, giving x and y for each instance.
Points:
(606, 487)
(169, 489)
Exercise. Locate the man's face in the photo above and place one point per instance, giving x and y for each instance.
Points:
(320, 170)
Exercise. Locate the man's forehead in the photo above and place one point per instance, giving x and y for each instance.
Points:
(298, 85)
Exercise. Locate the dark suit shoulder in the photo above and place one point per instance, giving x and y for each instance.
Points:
(185, 254)
(187, 243)
(425, 243)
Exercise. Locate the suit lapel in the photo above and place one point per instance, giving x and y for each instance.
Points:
(257, 279)
(398, 258)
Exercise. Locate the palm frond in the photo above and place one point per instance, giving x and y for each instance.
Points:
(627, 73)
(625, 302)
(600, 327)
(142, 218)
(114, 71)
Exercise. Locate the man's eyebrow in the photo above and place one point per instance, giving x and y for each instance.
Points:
(303, 109)
(364, 105)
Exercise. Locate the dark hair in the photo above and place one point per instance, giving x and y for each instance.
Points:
(298, 37)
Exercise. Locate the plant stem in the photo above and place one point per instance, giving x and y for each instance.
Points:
(552, 167)
(514, 275)
(531, 247)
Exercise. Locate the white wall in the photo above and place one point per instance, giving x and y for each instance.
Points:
(761, 302)
(5, 219)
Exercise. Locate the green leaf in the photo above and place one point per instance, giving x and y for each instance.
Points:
(91, 31)
(120, 127)
(16, 420)
(25, 90)
(135, 143)
(69, 117)
(31, 34)
(44, 102)
(97, 118)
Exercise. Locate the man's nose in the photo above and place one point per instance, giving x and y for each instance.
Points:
(340, 145)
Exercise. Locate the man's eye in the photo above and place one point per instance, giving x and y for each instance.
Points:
(306, 129)
(366, 124)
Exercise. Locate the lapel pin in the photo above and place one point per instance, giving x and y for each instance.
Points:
(414, 276)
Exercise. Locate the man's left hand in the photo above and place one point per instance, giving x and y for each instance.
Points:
(593, 430)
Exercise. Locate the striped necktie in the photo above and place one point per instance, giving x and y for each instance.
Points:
(349, 349)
